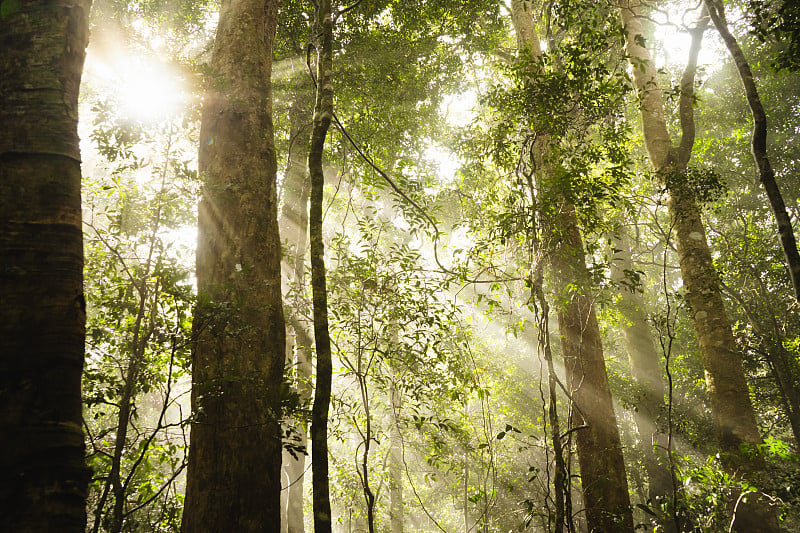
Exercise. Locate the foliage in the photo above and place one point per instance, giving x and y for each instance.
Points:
(778, 21)
(703, 184)
(139, 321)
(436, 348)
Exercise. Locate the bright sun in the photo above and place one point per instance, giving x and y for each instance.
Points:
(147, 89)
(675, 41)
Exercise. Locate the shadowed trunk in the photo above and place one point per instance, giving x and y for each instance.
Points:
(43, 475)
(294, 231)
(323, 114)
(646, 369)
(766, 174)
(395, 463)
(233, 480)
(605, 486)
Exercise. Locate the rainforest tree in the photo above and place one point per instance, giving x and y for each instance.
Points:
(234, 476)
(44, 476)
(600, 455)
(554, 298)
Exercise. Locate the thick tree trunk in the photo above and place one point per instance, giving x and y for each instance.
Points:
(605, 485)
(732, 410)
(43, 475)
(233, 481)
(766, 174)
(323, 114)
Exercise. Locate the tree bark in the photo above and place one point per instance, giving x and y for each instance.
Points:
(766, 174)
(323, 114)
(646, 370)
(732, 410)
(605, 485)
(43, 480)
(233, 480)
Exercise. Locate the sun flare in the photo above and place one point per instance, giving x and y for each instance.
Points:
(146, 88)
(149, 91)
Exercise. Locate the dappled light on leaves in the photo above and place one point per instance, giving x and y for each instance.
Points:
(534, 224)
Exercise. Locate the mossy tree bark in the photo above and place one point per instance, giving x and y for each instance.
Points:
(732, 410)
(233, 480)
(43, 475)
(603, 479)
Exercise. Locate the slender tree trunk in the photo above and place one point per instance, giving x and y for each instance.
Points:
(605, 485)
(646, 369)
(297, 467)
(468, 522)
(766, 174)
(783, 365)
(732, 410)
(784, 369)
(43, 474)
(563, 514)
(130, 378)
(294, 229)
(141, 331)
(369, 495)
(323, 114)
(233, 480)
(396, 513)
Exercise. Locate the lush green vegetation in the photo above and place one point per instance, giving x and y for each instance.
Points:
(492, 196)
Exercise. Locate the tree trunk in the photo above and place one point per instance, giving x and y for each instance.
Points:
(296, 468)
(646, 369)
(605, 486)
(783, 365)
(396, 514)
(766, 174)
(733, 414)
(42, 318)
(233, 480)
(562, 517)
(294, 229)
(732, 410)
(323, 114)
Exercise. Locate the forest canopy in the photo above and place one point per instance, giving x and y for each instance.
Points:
(446, 266)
